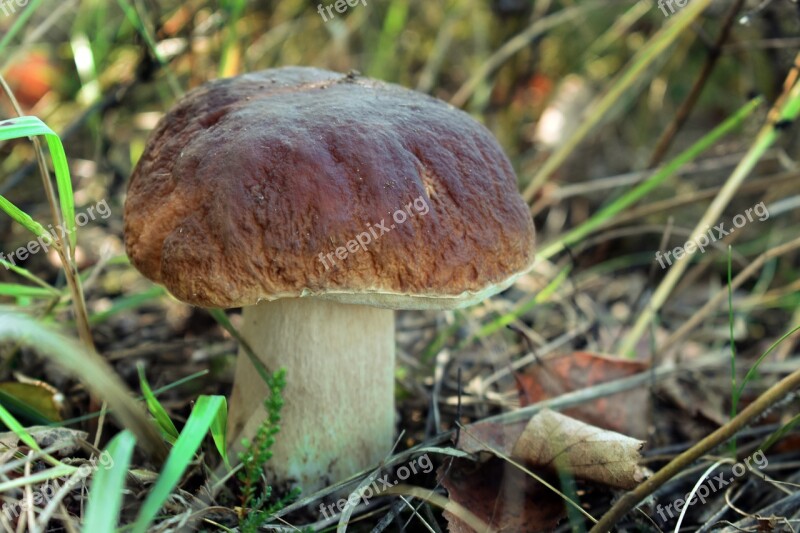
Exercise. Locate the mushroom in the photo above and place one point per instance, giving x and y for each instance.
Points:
(319, 203)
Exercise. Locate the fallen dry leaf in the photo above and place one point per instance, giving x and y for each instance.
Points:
(490, 436)
(64, 439)
(510, 500)
(41, 397)
(504, 497)
(627, 412)
(709, 400)
(557, 441)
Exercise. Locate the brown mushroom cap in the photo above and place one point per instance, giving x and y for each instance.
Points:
(247, 180)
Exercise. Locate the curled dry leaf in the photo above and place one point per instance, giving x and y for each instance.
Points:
(509, 499)
(591, 453)
(491, 436)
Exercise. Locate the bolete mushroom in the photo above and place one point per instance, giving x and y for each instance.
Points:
(319, 202)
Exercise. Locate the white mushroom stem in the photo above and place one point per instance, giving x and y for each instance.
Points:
(338, 417)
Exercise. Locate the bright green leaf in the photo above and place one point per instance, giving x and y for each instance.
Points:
(108, 485)
(156, 409)
(182, 454)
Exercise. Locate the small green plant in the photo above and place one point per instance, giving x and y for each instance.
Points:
(257, 452)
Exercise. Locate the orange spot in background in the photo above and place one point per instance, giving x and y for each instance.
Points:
(30, 78)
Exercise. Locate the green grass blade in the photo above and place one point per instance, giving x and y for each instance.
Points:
(108, 485)
(234, 10)
(19, 25)
(638, 66)
(156, 409)
(736, 392)
(753, 369)
(30, 276)
(219, 432)
(688, 155)
(23, 218)
(13, 424)
(160, 390)
(385, 54)
(508, 318)
(137, 22)
(25, 126)
(91, 369)
(25, 291)
(124, 303)
(203, 415)
(222, 319)
(16, 128)
(778, 435)
(51, 473)
(20, 408)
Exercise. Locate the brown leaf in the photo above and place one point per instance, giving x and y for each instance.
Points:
(707, 399)
(504, 497)
(485, 436)
(509, 499)
(627, 412)
(557, 441)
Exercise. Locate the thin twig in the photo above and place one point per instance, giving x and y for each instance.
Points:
(698, 196)
(682, 114)
(517, 43)
(581, 396)
(62, 247)
(627, 78)
(29, 492)
(787, 107)
(720, 436)
(714, 302)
